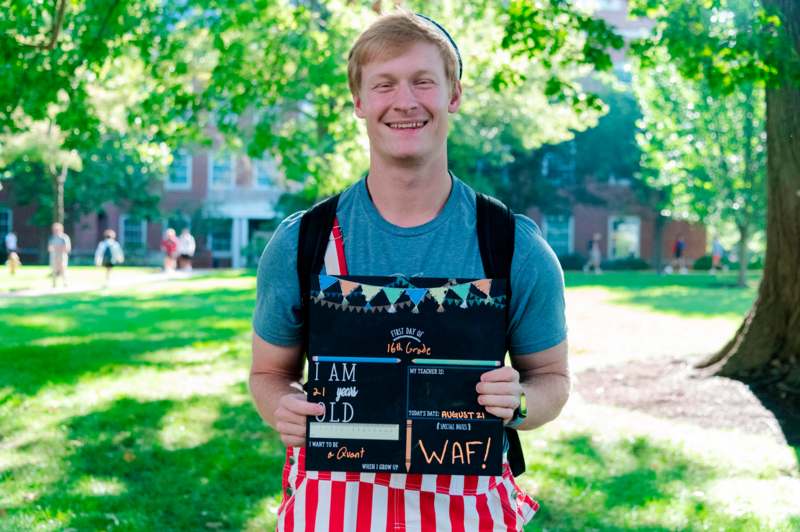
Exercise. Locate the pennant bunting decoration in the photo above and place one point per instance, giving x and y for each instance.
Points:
(463, 291)
(397, 289)
(325, 281)
(438, 294)
(370, 291)
(347, 289)
(393, 294)
(484, 285)
(416, 295)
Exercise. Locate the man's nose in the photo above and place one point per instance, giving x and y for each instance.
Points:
(406, 100)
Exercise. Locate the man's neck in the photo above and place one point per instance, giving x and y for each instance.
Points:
(409, 196)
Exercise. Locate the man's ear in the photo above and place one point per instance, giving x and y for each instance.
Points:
(357, 105)
(455, 98)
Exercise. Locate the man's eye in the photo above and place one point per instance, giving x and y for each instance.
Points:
(425, 82)
(383, 86)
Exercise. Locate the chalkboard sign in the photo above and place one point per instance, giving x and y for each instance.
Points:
(395, 363)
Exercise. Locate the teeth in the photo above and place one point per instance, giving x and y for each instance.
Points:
(407, 125)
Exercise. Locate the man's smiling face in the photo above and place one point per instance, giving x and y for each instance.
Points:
(404, 101)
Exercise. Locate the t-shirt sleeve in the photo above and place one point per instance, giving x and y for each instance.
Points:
(537, 314)
(277, 317)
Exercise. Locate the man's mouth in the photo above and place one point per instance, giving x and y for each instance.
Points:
(417, 124)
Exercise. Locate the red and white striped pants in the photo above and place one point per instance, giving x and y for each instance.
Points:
(344, 502)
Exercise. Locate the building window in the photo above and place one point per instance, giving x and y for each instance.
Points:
(558, 231)
(179, 176)
(5, 221)
(221, 170)
(624, 237)
(132, 232)
(219, 237)
(264, 172)
(558, 166)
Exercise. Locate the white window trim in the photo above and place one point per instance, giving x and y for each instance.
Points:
(256, 184)
(610, 233)
(570, 232)
(121, 232)
(10, 219)
(168, 185)
(211, 184)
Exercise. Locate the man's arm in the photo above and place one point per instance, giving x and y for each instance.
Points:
(275, 376)
(544, 376)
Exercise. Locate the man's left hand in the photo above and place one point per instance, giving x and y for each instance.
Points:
(499, 392)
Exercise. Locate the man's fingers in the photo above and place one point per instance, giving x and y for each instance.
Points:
(290, 429)
(293, 441)
(297, 404)
(502, 401)
(503, 413)
(498, 388)
(504, 374)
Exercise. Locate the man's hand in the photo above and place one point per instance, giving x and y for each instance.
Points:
(290, 418)
(499, 392)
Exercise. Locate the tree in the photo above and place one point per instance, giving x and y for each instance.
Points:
(764, 52)
(766, 348)
(707, 148)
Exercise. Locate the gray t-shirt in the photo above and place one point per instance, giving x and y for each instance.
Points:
(447, 246)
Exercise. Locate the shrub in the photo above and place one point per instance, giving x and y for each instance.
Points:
(629, 263)
(572, 261)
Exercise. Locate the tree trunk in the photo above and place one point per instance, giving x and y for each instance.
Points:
(658, 242)
(766, 348)
(744, 255)
(58, 194)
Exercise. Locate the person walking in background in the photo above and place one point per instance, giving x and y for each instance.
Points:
(10, 244)
(59, 247)
(678, 259)
(186, 248)
(108, 253)
(595, 255)
(717, 252)
(169, 245)
(13, 262)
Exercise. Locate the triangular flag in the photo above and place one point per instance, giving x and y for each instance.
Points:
(416, 294)
(325, 281)
(462, 290)
(347, 287)
(393, 294)
(370, 291)
(438, 293)
(484, 285)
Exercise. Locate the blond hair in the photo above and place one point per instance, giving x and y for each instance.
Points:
(389, 35)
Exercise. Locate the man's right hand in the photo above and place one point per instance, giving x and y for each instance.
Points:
(290, 418)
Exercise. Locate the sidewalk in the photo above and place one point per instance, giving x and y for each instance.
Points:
(122, 279)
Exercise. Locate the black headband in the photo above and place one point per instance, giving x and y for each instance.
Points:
(449, 38)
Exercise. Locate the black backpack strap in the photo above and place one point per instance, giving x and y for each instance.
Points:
(315, 229)
(496, 226)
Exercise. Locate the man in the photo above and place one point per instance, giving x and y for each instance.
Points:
(108, 253)
(59, 247)
(409, 215)
(186, 249)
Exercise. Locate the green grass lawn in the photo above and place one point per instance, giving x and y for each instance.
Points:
(129, 410)
(38, 277)
(695, 294)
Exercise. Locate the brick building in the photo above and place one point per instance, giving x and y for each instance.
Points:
(224, 199)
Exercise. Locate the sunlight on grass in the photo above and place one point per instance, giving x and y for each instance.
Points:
(136, 415)
(103, 487)
(624, 469)
(769, 498)
(188, 425)
(50, 324)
